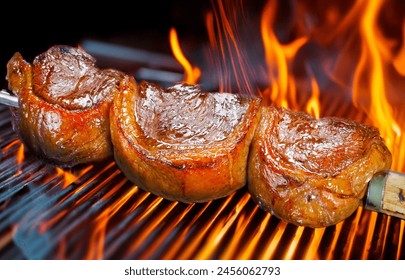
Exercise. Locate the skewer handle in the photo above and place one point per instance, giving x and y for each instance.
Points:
(7, 99)
(386, 194)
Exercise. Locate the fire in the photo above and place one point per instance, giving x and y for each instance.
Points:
(279, 58)
(221, 227)
(313, 106)
(192, 74)
(20, 154)
(344, 52)
(68, 177)
(399, 59)
(373, 67)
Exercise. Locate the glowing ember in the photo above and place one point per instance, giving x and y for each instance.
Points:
(11, 144)
(43, 227)
(192, 74)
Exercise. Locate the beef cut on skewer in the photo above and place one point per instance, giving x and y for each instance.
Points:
(182, 143)
(64, 102)
(313, 172)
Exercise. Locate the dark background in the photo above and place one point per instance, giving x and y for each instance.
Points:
(34, 27)
(31, 28)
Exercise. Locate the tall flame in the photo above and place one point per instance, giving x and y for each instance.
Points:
(345, 47)
(372, 67)
(313, 106)
(279, 59)
(192, 73)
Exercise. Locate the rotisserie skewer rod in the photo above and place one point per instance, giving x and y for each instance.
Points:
(385, 193)
(8, 99)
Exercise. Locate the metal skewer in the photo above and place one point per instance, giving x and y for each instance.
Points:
(7, 99)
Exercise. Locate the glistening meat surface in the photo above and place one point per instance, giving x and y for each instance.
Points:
(64, 102)
(182, 143)
(313, 172)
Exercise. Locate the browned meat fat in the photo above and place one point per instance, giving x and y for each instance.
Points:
(64, 102)
(312, 172)
(182, 143)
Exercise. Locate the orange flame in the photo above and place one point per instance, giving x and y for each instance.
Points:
(355, 57)
(227, 51)
(68, 177)
(11, 144)
(20, 154)
(192, 74)
(279, 58)
(220, 228)
(399, 60)
(313, 106)
(371, 78)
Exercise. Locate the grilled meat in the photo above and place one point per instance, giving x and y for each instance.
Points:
(312, 172)
(188, 145)
(64, 102)
(182, 143)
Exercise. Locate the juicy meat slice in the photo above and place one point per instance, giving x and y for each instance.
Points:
(64, 102)
(182, 143)
(312, 172)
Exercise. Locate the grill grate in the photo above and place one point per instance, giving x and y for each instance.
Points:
(94, 212)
